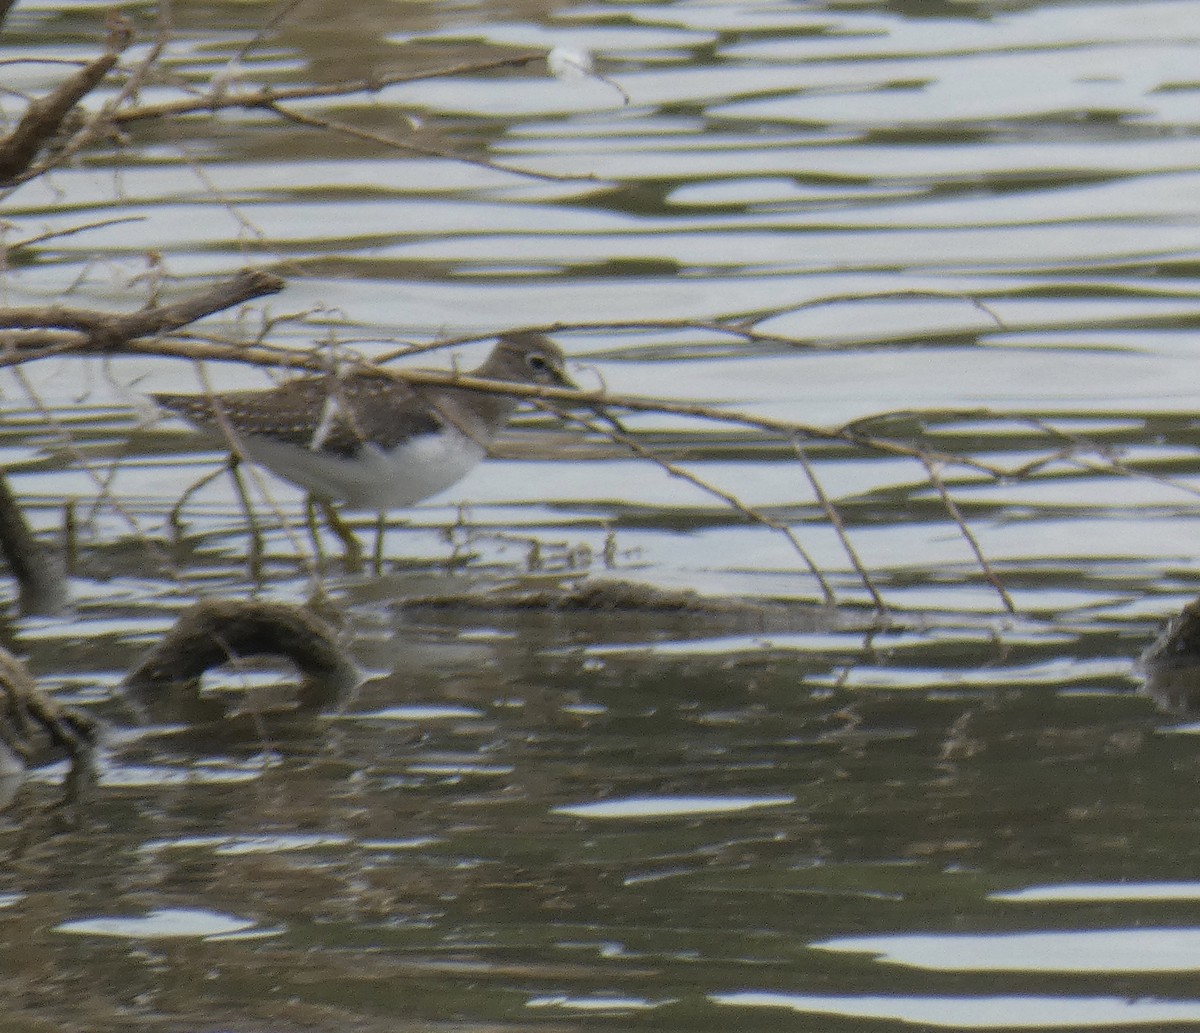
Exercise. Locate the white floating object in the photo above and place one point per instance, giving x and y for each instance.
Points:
(569, 63)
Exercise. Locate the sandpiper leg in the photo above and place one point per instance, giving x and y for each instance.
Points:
(377, 555)
(314, 532)
(353, 555)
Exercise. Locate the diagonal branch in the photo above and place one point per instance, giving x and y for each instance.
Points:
(44, 116)
(839, 526)
(106, 332)
(336, 126)
(993, 579)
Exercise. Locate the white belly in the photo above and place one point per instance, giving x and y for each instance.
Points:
(374, 479)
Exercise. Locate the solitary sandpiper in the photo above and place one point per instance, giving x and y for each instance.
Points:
(369, 440)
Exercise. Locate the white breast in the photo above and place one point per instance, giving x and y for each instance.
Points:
(375, 479)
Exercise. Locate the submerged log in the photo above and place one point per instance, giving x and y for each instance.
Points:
(1171, 664)
(35, 730)
(41, 583)
(217, 632)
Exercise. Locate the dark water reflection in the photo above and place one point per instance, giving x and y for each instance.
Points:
(507, 829)
(749, 814)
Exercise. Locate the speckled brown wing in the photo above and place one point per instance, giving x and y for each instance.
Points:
(367, 409)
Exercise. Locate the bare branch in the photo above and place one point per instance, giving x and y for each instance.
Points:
(70, 231)
(742, 327)
(839, 526)
(106, 332)
(268, 96)
(102, 122)
(935, 478)
(44, 117)
(335, 126)
(613, 430)
(603, 399)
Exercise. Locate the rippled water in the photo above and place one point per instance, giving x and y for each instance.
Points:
(971, 226)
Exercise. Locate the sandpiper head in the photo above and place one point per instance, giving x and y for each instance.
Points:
(530, 358)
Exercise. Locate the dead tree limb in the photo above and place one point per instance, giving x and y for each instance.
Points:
(45, 332)
(213, 632)
(91, 332)
(44, 117)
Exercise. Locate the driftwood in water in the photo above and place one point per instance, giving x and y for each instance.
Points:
(1171, 664)
(41, 583)
(35, 730)
(217, 632)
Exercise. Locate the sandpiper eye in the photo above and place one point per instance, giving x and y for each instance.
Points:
(537, 363)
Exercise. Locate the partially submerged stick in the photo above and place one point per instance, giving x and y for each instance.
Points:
(35, 730)
(40, 577)
(215, 632)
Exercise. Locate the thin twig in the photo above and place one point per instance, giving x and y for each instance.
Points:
(102, 333)
(70, 231)
(603, 399)
(332, 125)
(100, 482)
(242, 462)
(742, 327)
(611, 428)
(935, 478)
(1112, 462)
(839, 526)
(268, 96)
